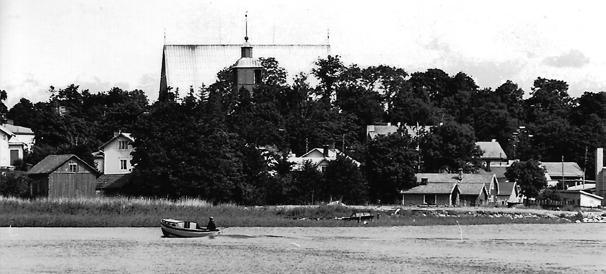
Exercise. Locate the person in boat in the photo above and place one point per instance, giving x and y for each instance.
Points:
(211, 224)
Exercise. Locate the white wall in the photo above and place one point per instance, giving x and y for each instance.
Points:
(4, 151)
(113, 155)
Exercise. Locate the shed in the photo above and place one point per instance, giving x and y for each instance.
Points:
(580, 198)
(62, 176)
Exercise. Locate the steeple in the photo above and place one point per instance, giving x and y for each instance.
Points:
(247, 70)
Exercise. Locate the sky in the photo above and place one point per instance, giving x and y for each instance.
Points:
(99, 44)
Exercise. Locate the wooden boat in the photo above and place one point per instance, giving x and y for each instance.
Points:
(184, 229)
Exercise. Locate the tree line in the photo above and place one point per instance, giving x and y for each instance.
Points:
(206, 142)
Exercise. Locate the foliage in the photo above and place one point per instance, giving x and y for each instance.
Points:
(206, 143)
(345, 182)
(14, 184)
(450, 147)
(391, 162)
(529, 176)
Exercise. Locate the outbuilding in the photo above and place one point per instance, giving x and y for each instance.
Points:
(580, 198)
(62, 176)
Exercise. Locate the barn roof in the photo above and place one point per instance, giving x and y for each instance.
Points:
(491, 150)
(571, 169)
(51, 162)
(194, 65)
(432, 188)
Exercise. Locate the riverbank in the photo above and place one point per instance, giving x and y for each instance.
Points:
(142, 212)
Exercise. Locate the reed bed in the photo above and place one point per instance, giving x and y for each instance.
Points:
(146, 212)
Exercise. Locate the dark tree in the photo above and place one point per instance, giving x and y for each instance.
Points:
(529, 176)
(391, 162)
(345, 182)
(450, 147)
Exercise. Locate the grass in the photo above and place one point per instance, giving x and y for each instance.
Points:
(145, 212)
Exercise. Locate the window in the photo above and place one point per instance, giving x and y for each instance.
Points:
(429, 199)
(73, 167)
(123, 145)
(123, 164)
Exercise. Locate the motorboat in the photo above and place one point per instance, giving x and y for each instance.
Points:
(185, 229)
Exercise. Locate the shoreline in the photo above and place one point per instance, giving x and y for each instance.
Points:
(140, 212)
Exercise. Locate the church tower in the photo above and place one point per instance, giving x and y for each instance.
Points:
(247, 71)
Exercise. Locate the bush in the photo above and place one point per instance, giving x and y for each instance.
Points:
(14, 184)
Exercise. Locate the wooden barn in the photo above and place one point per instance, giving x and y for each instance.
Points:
(62, 176)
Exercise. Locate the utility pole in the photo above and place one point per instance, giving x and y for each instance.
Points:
(563, 186)
(343, 144)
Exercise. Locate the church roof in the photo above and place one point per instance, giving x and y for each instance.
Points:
(194, 65)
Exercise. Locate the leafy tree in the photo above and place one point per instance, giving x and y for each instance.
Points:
(391, 162)
(3, 108)
(14, 184)
(328, 72)
(450, 147)
(307, 186)
(529, 176)
(345, 182)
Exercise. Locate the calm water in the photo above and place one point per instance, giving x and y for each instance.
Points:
(569, 248)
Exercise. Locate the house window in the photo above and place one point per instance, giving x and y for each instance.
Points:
(73, 167)
(324, 168)
(123, 145)
(429, 199)
(123, 164)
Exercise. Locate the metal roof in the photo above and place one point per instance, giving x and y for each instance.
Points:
(492, 150)
(194, 65)
(554, 169)
(432, 188)
(454, 178)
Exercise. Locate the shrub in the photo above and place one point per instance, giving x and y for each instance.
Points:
(14, 184)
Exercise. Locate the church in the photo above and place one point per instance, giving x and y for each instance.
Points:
(192, 66)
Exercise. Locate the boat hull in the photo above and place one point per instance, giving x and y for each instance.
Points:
(171, 229)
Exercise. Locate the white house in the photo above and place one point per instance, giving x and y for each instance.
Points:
(116, 154)
(320, 157)
(5, 136)
(22, 141)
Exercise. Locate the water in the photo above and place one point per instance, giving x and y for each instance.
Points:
(566, 248)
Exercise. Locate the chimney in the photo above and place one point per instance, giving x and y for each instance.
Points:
(116, 133)
(399, 124)
(325, 151)
(493, 140)
(460, 174)
(10, 122)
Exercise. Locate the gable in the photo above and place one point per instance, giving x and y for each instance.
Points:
(82, 167)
